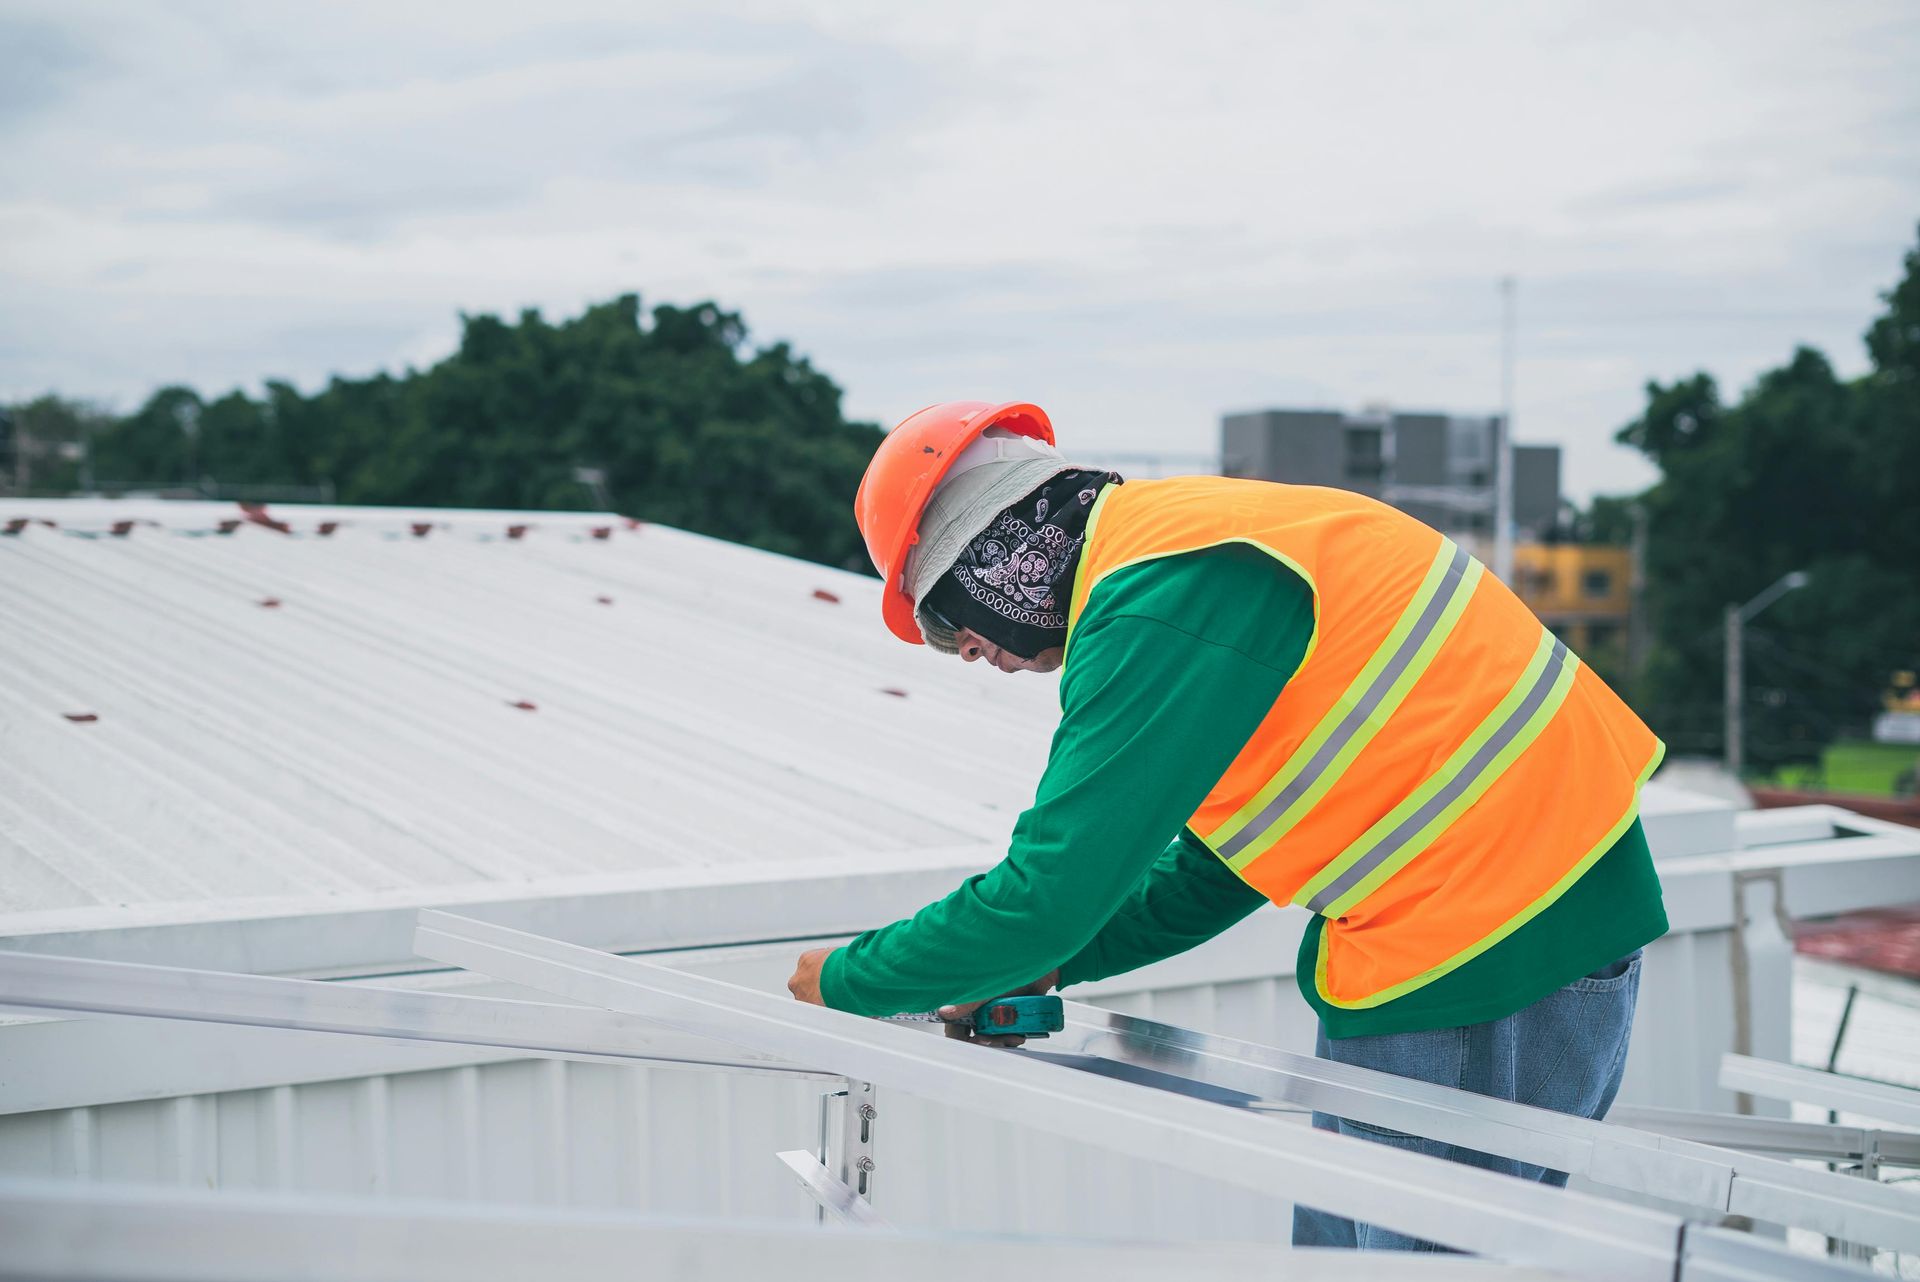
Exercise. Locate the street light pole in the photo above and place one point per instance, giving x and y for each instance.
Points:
(1503, 445)
(1736, 756)
(1737, 616)
(1637, 596)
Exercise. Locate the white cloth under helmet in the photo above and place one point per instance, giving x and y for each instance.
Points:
(990, 475)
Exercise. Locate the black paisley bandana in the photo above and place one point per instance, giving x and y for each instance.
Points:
(1010, 584)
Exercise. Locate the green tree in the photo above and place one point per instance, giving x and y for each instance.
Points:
(1803, 472)
(1891, 410)
(43, 444)
(156, 444)
(1608, 520)
(690, 426)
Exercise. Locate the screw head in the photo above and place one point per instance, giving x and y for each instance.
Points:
(865, 1164)
(868, 1111)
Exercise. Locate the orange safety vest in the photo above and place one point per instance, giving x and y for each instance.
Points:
(1438, 770)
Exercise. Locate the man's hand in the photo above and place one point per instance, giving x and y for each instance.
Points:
(959, 1018)
(805, 984)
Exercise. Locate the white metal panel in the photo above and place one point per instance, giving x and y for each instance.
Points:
(1679, 822)
(665, 1141)
(146, 1235)
(360, 735)
(543, 1132)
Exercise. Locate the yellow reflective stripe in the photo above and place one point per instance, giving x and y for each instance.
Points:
(1410, 827)
(1078, 601)
(1362, 709)
(1518, 920)
(1228, 838)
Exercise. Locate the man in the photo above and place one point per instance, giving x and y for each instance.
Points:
(1271, 693)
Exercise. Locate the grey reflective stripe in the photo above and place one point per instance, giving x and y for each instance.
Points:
(1356, 716)
(1336, 890)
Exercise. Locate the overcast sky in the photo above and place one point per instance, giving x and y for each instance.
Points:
(1138, 215)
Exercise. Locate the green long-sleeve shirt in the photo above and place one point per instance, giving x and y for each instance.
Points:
(1175, 663)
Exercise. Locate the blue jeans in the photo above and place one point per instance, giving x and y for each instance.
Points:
(1565, 1052)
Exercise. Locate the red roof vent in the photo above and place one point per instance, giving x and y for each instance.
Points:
(831, 598)
(81, 717)
(516, 531)
(524, 705)
(257, 513)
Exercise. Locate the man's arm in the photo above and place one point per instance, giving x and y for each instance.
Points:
(1186, 898)
(1154, 712)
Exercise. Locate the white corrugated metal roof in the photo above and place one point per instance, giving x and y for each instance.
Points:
(294, 715)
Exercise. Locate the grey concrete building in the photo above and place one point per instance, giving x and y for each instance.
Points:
(1437, 467)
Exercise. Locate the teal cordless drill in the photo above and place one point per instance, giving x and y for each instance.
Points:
(1007, 1017)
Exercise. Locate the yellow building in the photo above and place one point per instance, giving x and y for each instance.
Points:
(1583, 592)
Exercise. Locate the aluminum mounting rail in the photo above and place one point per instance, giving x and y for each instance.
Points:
(1820, 1141)
(1722, 1180)
(1717, 1255)
(79, 1231)
(74, 985)
(1460, 1206)
(1774, 1080)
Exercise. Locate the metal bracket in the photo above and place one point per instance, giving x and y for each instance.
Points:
(846, 1158)
(855, 1158)
(832, 1197)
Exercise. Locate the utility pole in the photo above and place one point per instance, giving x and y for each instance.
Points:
(1503, 445)
(86, 451)
(22, 456)
(1637, 594)
(1736, 754)
(1737, 616)
(595, 479)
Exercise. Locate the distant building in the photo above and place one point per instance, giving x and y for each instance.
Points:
(1582, 591)
(1437, 467)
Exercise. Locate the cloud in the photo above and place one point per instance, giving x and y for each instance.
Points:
(39, 63)
(1139, 219)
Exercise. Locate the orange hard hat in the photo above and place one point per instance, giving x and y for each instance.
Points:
(906, 470)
